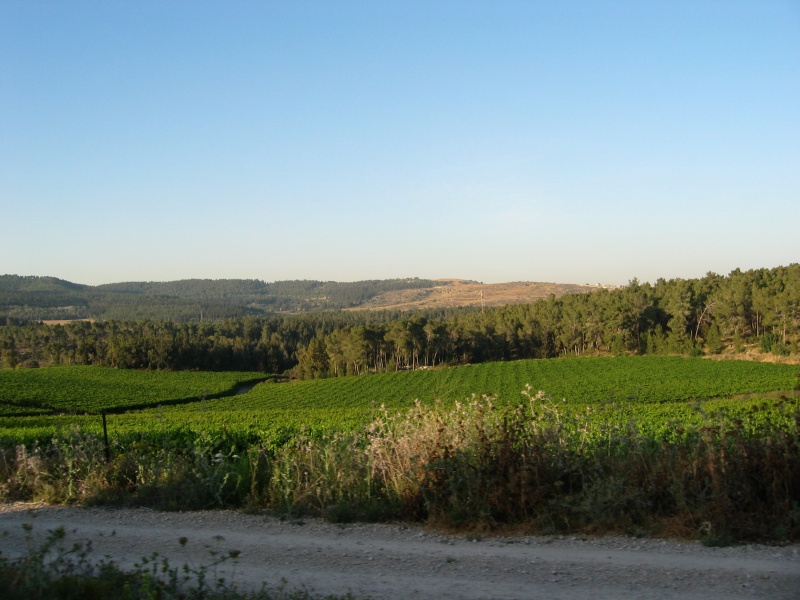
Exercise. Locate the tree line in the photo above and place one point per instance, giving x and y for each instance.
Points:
(680, 316)
(709, 315)
(267, 344)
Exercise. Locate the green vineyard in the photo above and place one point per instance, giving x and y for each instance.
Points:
(98, 389)
(578, 380)
(656, 393)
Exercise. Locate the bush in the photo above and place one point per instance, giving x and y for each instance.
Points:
(532, 467)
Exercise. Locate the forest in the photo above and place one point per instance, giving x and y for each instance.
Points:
(50, 298)
(711, 315)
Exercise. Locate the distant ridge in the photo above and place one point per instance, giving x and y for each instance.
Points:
(50, 298)
(33, 283)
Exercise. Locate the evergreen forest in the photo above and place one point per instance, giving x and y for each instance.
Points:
(755, 309)
(50, 298)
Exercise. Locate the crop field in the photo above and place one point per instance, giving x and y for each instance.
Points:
(97, 389)
(578, 380)
(659, 394)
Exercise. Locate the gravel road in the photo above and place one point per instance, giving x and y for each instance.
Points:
(402, 561)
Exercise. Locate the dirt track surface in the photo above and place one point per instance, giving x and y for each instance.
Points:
(400, 561)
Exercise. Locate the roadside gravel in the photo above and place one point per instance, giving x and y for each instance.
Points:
(406, 561)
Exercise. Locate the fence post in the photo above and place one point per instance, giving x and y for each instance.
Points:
(105, 437)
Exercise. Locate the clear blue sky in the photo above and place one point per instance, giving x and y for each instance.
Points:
(568, 141)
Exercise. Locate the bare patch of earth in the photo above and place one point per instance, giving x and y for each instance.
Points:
(402, 561)
(456, 292)
(64, 321)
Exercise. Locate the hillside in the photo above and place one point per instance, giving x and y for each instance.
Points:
(734, 314)
(450, 293)
(49, 298)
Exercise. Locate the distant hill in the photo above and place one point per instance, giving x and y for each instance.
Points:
(450, 293)
(31, 283)
(50, 298)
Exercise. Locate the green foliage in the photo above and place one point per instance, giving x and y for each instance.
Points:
(768, 341)
(580, 381)
(714, 340)
(99, 389)
(654, 390)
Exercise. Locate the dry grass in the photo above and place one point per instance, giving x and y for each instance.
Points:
(457, 292)
(65, 321)
(482, 467)
(755, 355)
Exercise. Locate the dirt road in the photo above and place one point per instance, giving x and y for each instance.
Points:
(400, 561)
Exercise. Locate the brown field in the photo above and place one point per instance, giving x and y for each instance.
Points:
(457, 292)
(754, 354)
(64, 321)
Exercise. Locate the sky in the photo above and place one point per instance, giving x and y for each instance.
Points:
(557, 141)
